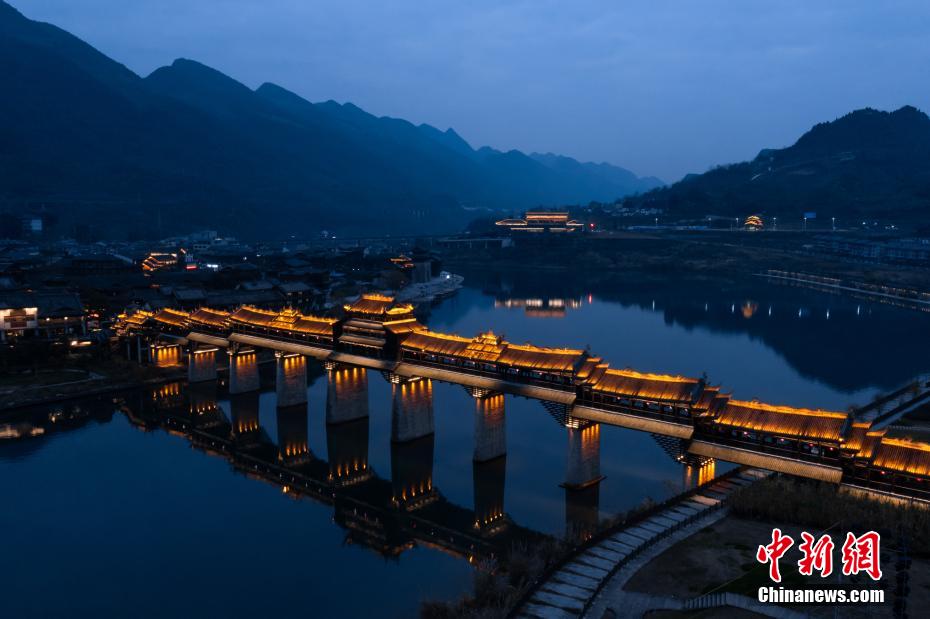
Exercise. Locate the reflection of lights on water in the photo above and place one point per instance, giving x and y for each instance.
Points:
(733, 308)
(858, 310)
(653, 305)
(770, 310)
(705, 307)
(828, 314)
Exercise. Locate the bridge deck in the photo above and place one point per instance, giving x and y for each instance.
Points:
(365, 362)
(410, 370)
(203, 338)
(263, 342)
(769, 462)
(634, 422)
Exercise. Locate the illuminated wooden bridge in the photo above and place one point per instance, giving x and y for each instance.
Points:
(694, 421)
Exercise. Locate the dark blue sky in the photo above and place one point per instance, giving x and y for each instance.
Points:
(659, 87)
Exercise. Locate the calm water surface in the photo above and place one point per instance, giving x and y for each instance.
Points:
(107, 519)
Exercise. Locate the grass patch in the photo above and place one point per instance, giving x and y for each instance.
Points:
(819, 505)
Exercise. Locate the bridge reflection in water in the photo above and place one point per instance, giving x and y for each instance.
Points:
(386, 514)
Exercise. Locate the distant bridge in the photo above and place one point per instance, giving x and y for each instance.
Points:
(694, 421)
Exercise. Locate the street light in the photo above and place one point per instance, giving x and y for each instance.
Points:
(834, 223)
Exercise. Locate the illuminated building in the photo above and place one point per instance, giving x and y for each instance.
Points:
(374, 322)
(753, 222)
(542, 222)
(46, 315)
(155, 261)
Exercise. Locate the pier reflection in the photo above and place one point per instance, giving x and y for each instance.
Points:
(489, 479)
(699, 474)
(347, 448)
(412, 473)
(244, 408)
(293, 434)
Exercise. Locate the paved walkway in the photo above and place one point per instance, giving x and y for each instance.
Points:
(572, 589)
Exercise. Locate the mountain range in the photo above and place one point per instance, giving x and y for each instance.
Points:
(189, 147)
(868, 164)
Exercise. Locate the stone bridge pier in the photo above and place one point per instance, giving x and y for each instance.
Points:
(164, 355)
(346, 394)
(582, 481)
(290, 379)
(243, 370)
(411, 410)
(584, 457)
(137, 349)
(490, 435)
(201, 364)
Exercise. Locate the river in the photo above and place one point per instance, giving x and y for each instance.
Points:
(106, 519)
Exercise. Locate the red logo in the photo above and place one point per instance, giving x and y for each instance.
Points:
(859, 554)
(773, 552)
(817, 555)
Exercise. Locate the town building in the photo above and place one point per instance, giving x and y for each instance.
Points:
(556, 222)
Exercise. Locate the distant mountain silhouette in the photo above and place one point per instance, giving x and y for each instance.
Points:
(188, 146)
(866, 164)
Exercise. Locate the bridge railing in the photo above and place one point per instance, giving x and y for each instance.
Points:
(875, 479)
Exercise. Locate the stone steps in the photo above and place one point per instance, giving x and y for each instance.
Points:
(567, 591)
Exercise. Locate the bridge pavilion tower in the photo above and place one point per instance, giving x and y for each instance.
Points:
(373, 325)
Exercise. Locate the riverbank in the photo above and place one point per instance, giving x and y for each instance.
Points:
(68, 381)
(721, 557)
(728, 254)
